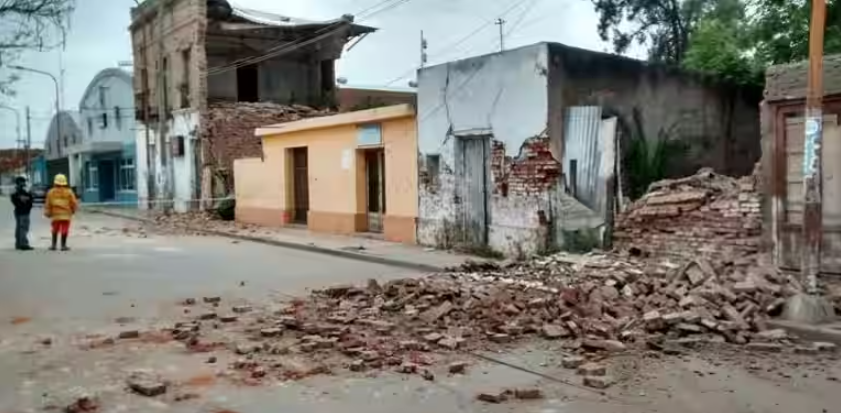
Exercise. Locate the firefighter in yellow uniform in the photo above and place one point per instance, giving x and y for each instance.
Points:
(59, 206)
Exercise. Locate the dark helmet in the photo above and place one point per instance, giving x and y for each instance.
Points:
(20, 180)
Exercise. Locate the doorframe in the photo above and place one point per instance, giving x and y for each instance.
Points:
(462, 216)
(291, 186)
(380, 150)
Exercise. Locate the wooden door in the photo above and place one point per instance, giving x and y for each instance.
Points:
(472, 175)
(300, 185)
(375, 185)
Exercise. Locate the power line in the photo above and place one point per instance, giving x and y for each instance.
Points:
(461, 40)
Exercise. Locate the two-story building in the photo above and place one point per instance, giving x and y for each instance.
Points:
(196, 61)
(102, 163)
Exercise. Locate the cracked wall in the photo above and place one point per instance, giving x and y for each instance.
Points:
(501, 98)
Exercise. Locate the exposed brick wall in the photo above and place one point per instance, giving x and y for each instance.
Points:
(228, 129)
(704, 214)
(533, 172)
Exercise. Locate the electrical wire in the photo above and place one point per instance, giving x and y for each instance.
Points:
(461, 40)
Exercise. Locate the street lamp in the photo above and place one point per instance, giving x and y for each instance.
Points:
(57, 101)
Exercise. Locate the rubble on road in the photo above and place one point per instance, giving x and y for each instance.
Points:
(82, 404)
(146, 384)
(705, 214)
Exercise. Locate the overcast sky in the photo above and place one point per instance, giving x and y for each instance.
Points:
(99, 39)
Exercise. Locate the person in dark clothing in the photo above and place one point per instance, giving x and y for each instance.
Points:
(22, 201)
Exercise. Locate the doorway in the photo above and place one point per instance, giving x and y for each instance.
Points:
(300, 186)
(375, 188)
(107, 181)
(248, 83)
(472, 177)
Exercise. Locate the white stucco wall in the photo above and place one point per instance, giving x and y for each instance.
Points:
(116, 104)
(183, 174)
(141, 169)
(504, 95)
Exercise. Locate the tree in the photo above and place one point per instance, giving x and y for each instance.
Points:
(664, 26)
(720, 45)
(781, 30)
(30, 25)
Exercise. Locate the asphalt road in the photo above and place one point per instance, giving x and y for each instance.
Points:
(119, 278)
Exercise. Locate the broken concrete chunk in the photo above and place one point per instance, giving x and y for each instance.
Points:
(357, 365)
(572, 362)
(408, 368)
(458, 367)
(687, 328)
(598, 382)
(146, 384)
(241, 309)
(528, 394)
(449, 343)
(492, 397)
(246, 348)
(433, 337)
(434, 314)
(772, 335)
(765, 347)
(553, 332)
(129, 334)
(499, 338)
(607, 345)
(592, 369)
(228, 318)
(824, 346)
(212, 300)
(369, 355)
(271, 332)
(427, 375)
(209, 315)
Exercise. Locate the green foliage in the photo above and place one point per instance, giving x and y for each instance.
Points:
(780, 29)
(664, 26)
(647, 159)
(717, 48)
(581, 241)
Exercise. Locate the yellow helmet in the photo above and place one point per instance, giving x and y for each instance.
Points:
(60, 180)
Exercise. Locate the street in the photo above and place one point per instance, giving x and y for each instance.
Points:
(119, 278)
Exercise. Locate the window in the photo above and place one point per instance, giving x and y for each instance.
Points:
(185, 78)
(102, 92)
(93, 176)
(90, 126)
(66, 142)
(117, 118)
(127, 180)
(103, 121)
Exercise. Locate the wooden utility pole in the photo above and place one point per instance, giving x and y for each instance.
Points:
(812, 151)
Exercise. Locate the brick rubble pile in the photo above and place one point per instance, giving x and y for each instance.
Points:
(704, 214)
(606, 304)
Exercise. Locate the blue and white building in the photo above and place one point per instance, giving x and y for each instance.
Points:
(102, 165)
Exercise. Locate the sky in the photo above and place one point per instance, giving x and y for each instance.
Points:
(454, 29)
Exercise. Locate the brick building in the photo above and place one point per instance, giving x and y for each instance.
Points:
(518, 149)
(192, 57)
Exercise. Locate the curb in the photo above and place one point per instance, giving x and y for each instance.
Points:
(295, 246)
(808, 332)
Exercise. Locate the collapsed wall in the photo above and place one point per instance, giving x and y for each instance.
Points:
(705, 214)
(228, 130)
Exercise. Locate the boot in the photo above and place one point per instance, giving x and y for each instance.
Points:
(64, 246)
(54, 242)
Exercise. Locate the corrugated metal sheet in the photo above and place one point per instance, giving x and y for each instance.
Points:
(583, 153)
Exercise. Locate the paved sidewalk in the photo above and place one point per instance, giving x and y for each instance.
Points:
(359, 248)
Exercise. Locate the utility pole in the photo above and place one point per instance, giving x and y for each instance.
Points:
(163, 147)
(28, 144)
(501, 23)
(423, 46)
(812, 185)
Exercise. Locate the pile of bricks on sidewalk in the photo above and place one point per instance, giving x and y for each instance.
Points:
(608, 303)
(704, 214)
(230, 127)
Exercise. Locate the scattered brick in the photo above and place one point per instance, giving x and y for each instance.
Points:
(598, 382)
(528, 394)
(458, 367)
(592, 369)
(572, 362)
(146, 385)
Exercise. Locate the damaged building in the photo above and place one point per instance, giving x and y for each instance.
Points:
(520, 151)
(206, 74)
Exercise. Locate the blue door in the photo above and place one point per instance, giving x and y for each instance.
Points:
(107, 180)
